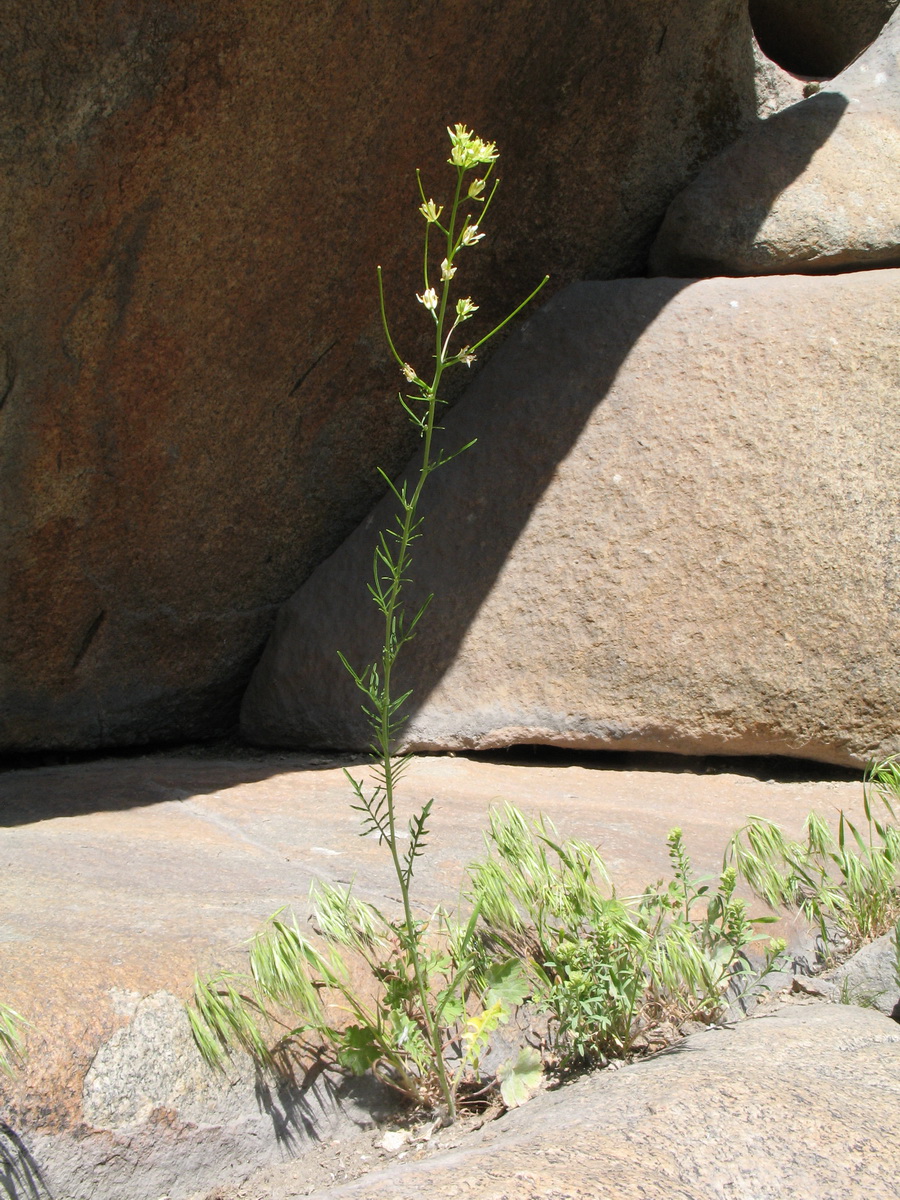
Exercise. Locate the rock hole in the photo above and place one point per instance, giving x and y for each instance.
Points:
(817, 39)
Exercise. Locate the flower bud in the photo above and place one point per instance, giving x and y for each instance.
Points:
(429, 298)
(431, 211)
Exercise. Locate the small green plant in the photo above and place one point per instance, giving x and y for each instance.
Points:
(698, 937)
(847, 884)
(424, 976)
(609, 969)
(292, 979)
(12, 1027)
(545, 901)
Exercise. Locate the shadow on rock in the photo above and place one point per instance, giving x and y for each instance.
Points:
(20, 1176)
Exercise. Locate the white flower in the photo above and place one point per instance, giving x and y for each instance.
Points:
(466, 356)
(470, 236)
(431, 211)
(476, 187)
(465, 308)
(447, 272)
(408, 371)
(467, 150)
(429, 298)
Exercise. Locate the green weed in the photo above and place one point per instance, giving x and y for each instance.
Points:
(609, 969)
(847, 884)
(12, 1027)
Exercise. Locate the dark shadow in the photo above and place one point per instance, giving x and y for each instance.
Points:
(816, 40)
(301, 1109)
(115, 784)
(20, 1176)
(91, 782)
(772, 769)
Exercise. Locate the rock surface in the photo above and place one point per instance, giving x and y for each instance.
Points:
(870, 977)
(678, 531)
(817, 38)
(775, 88)
(813, 188)
(122, 878)
(195, 388)
(801, 1103)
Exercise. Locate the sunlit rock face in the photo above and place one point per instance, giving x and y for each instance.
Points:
(677, 532)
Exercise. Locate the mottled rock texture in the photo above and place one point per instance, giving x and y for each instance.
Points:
(775, 88)
(193, 199)
(870, 977)
(817, 37)
(158, 1122)
(813, 188)
(799, 1104)
(677, 532)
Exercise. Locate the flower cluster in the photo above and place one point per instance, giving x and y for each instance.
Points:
(456, 231)
(469, 151)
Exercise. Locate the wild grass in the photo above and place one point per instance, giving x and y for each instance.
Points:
(355, 1001)
(610, 969)
(12, 1043)
(547, 926)
(846, 883)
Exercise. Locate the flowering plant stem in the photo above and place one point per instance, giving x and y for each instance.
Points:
(393, 556)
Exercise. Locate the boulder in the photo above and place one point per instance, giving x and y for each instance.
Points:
(677, 532)
(775, 88)
(801, 1104)
(195, 388)
(815, 187)
(871, 977)
(817, 38)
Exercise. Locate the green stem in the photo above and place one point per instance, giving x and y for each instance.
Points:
(514, 312)
(389, 587)
(384, 740)
(389, 655)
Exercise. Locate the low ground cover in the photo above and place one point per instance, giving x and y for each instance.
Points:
(607, 977)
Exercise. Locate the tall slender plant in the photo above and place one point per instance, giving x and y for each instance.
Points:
(432, 999)
(462, 229)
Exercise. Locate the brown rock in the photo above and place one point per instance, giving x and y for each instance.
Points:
(196, 389)
(813, 188)
(677, 532)
(798, 1104)
(817, 38)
